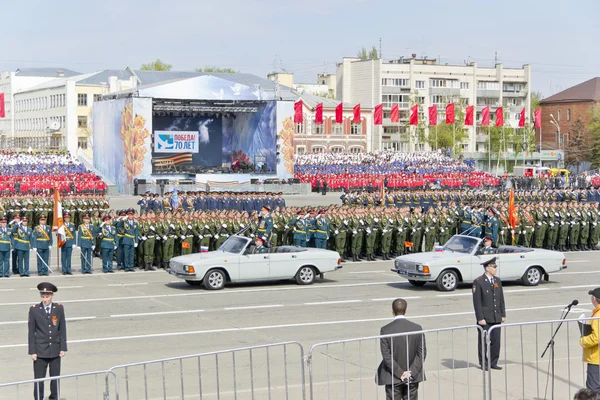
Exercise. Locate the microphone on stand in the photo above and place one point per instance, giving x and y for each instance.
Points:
(573, 303)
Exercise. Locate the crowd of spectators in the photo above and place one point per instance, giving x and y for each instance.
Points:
(39, 172)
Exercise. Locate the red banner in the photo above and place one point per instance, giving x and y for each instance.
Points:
(414, 115)
(537, 116)
(450, 114)
(432, 115)
(485, 116)
(298, 117)
(395, 114)
(2, 112)
(319, 114)
(339, 113)
(499, 116)
(356, 117)
(522, 119)
(378, 115)
(469, 112)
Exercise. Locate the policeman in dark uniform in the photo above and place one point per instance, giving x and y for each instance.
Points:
(488, 301)
(47, 339)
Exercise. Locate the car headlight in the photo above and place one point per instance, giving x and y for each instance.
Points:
(189, 269)
(419, 268)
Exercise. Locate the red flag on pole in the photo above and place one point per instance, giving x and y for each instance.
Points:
(537, 116)
(469, 115)
(378, 115)
(319, 114)
(356, 117)
(433, 115)
(298, 118)
(450, 114)
(339, 112)
(395, 114)
(485, 116)
(522, 119)
(499, 117)
(2, 112)
(414, 115)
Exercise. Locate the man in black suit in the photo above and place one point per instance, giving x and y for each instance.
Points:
(47, 339)
(403, 356)
(488, 301)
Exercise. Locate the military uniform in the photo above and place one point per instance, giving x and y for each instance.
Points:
(43, 244)
(24, 241)
(86, 240)
(300, 228)
(129, 240)
(5, 247)
(108, 246)
(322, 231)
(66, 251)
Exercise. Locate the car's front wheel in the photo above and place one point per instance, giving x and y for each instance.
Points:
(305, 276)
(532, 276)
(417, 283)
(447, 281)
(214, 279)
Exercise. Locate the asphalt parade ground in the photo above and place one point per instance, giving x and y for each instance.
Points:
(123, 318)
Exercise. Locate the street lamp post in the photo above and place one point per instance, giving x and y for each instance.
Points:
(555, 123)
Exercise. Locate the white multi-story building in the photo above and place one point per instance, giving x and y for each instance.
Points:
(19, 80)
(424, 81)
(57, 114)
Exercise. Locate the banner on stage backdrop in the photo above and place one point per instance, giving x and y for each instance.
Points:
(175, 141)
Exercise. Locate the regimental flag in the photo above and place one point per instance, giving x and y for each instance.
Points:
(57, 221)
(499, 116)
(319, 114)
(469, 113)
(522, 119)
(414, 115)
(298, 117)
(485, 116)
(537, 116)
(512, 214)
(395, 114)
(450, 114)
(2, 112)
(339, 113)
(378, 115)
(382, 193)
(432, 115)
(356, 117)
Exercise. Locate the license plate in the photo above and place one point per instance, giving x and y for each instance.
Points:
(402, 272)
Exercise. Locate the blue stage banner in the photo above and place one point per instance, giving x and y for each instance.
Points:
(175, 141)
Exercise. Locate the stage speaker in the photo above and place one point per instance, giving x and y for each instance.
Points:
(186, 182)
(141, 181)
(253, 181)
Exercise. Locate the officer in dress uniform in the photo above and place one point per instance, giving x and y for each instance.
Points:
(259, 249)
(23, 240)
(487, 246)
(265, 225)
(488, 301)
(107, 244)
(47, 337)
(66, 251)
(300, 229)
(15, 222)
(130, 239)
(5, 246)
(322, 231)
(86, 241)
(43, 244)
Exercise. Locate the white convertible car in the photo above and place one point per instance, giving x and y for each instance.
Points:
(233, 262)
(459, 261)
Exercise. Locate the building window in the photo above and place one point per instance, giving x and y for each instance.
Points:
(558, 114)
(568, 114)
(488, 85)
(97, 97)
(318, 149)
(299, 129)
(444, 83)
(82, 121)
(82, 143)
(82, 99)
(394, 82)
(356, 150)
(337, 149)
(420, 84)
(356, 129)
(317, 128)
(338, 129)
(464, 85)
(300, 150)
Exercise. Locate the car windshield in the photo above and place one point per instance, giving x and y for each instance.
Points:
(461, 244)
(234, 244)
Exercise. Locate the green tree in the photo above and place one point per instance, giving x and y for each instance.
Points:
(536, 98)
(157, 65)
(365, 54)
(594, 136)
(445, 136)
(577, 150)
(215, 69)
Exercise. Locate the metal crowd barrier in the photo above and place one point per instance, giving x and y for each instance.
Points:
(274, 371)
(525, 374)
(99, 385)
(346, 369)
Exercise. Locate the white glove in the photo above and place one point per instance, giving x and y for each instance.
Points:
(34, 249)
(441, 229)
(354, 232)
(539, 224)
(135, 245)
(242, 226)
(252, 235)
(286, 227)
(172, 226)
(274, 226)
(189, 227)
(217, 236)
(164, 238)
(93, 247)
(224, 225)
(115, 247)
(206, 226)
(512, 231)
(201, 237)
(426, 230)
(49, 247)
(144, 238)
(532, 229)
(385, 231)
(74, 246)
(152, 228)
(336, 232)
(399, 229)
(182, 237)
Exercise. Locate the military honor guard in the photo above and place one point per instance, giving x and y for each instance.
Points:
(86, 241)
(43, 244)
(265, 225)
(130, 239)
(24, 241)
(47, 337)
(322, 230)
(488, 301)
(16, 221)
(119, 239)
(5, 247)
(66, 251)
(108, 246)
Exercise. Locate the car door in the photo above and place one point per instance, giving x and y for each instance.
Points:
(512, 266)
(285, 265)
(254, 266)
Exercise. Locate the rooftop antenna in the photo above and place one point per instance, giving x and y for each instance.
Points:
(380, 53)
(496, 58)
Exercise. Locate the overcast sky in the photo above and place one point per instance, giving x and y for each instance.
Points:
(558, 38)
